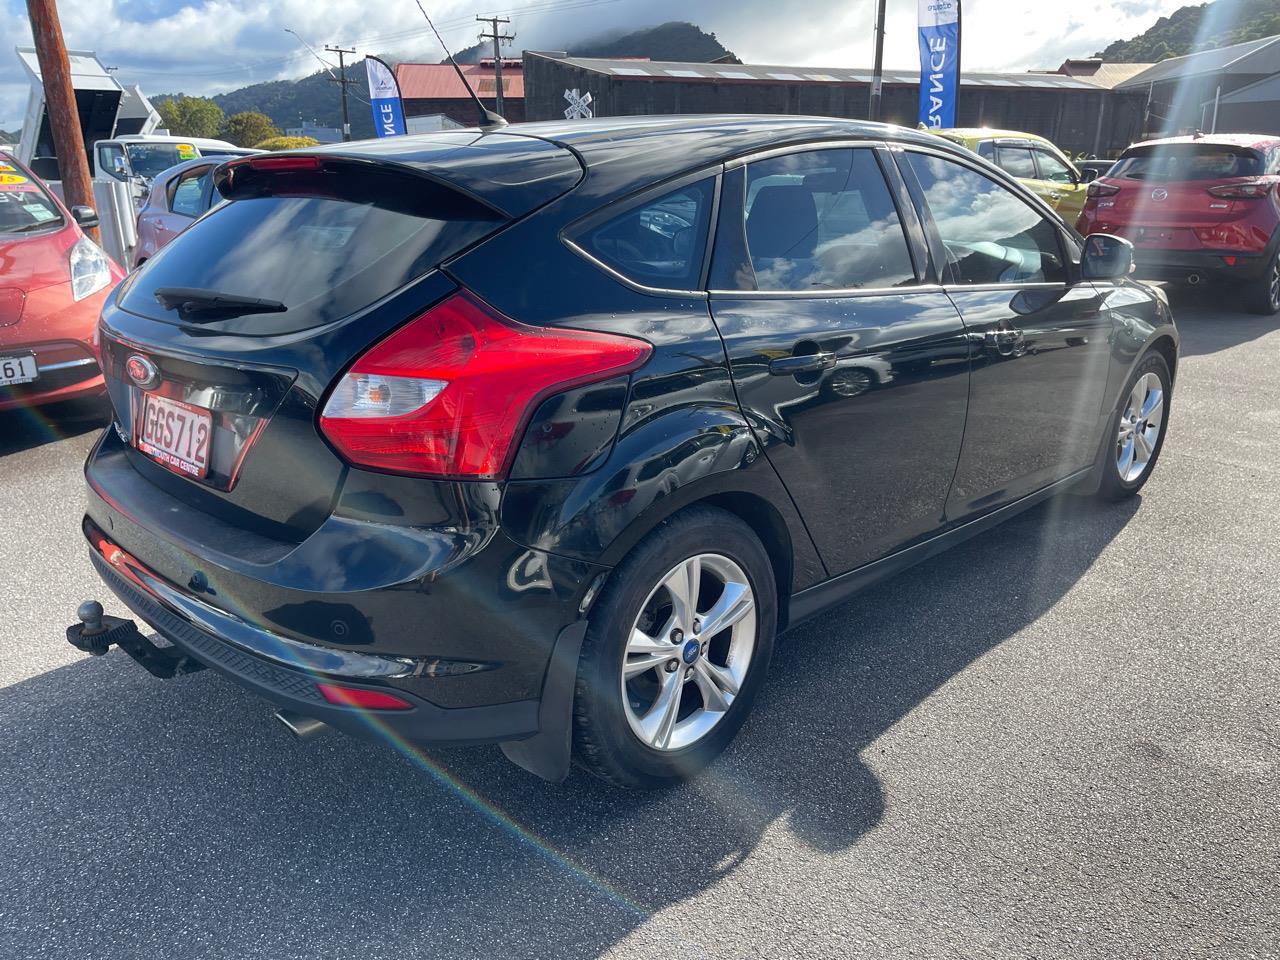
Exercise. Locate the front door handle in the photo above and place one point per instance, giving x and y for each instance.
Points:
(807, 363)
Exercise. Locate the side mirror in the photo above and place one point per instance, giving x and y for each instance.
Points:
(85, 216)
(1088, 175)
(1107, 257)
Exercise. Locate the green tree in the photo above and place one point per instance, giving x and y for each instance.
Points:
(247, 128)
(190, 116)
(285, 143)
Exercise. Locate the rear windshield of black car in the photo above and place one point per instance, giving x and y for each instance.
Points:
(25, 207)
(1188, 161)
(326, 245)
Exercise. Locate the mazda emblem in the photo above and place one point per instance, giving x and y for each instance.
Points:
(142, 371)
(1159, 195)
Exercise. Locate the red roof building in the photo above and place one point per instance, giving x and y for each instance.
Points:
(427, 89)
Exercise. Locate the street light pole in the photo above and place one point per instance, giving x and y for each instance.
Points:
(877, 78)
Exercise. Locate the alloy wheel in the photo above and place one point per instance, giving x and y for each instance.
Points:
(688, 652)
(1139, 431)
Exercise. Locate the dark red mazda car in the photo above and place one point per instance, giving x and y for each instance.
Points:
(1198, 209)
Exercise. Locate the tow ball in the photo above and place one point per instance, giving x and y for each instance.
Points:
(96, 633)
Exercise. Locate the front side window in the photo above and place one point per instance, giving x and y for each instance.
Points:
(111, 161)
(824, 220)
(990, 234)
(1017, 162)
(1052, 168)
(661, 242)
(187, 192)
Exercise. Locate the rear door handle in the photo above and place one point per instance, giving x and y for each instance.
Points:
(808, 363)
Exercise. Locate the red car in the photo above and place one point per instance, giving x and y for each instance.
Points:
(1198, 209)
(53, 281)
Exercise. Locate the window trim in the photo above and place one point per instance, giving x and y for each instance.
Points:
(569, 233)
(918, 249)
(1066, 241)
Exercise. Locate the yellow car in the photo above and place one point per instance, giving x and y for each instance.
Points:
(1034, 160)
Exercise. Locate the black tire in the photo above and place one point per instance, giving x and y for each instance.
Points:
(1113, 486)
(1262, 296)
(604, 742)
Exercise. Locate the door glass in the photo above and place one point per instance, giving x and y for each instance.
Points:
(185, 195)
(824, 220)
(1017, 162)
(1052, 168)
(660, 243)
(987, 150)
(990, 235)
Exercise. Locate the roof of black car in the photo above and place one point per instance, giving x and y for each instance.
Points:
(519, 166)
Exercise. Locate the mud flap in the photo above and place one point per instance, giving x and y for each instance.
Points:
(547, 753)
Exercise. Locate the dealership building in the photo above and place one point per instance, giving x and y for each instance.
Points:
(1084, 113)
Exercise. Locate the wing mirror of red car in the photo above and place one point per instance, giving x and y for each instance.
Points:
(85, 216)
(1107, 257)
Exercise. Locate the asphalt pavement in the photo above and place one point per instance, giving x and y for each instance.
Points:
(1060, 739)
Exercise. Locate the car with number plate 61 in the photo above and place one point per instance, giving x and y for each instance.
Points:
(53, 283)
(541, 435)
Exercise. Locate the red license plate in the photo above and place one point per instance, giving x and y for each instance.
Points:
(176, 435)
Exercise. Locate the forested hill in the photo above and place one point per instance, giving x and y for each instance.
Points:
(1206, 26)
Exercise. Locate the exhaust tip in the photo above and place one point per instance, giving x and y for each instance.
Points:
(304, 728)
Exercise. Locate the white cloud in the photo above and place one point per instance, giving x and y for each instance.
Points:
(208, 46)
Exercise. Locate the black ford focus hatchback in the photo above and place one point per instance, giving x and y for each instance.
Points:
(540, 436)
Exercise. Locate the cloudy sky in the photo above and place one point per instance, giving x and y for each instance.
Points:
(209, 46)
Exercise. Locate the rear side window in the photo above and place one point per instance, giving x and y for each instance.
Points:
(185, 193)
(824, 220)
(660, 243)
(1188, 161)
(990, 235)
(324, 244)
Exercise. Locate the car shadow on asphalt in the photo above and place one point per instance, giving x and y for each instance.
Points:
(175, 819)
(1208, 323)
(27, 427)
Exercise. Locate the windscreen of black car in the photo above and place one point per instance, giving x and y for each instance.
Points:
(25, 207)
(659, 243)
(324, 243)
(1187, 161)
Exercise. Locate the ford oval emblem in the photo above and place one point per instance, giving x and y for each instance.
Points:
(1159, 194)
(142, 371)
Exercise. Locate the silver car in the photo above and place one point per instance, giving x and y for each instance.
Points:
(178, 195)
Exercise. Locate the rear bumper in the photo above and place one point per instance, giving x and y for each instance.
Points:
(1208, 264)
(444, 611)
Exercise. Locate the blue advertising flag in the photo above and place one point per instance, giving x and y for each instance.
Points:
(939, 62)
(384, 97)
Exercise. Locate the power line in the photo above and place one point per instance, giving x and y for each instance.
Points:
(342, 83)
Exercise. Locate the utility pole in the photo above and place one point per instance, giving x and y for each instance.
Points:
(60, 102)
(877, 78)
(342, 81)
(498, 39)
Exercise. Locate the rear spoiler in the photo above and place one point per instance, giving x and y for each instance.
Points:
(509, 174)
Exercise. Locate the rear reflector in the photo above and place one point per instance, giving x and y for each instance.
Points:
(1102, 190)
(1250, 190)
(363, 699)
(448, 395)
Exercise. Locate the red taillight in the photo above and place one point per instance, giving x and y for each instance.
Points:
(448, 394)
(1102, 190)
(1249, 190)
(363, 699)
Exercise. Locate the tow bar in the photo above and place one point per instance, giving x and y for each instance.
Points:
(96, 633)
